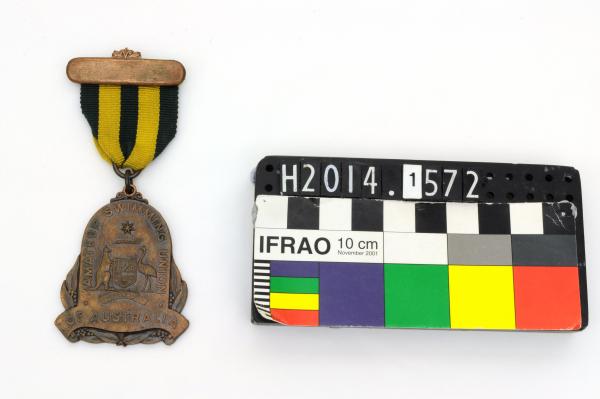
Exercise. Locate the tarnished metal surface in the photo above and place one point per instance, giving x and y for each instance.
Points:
(126, 67)
(124, 287)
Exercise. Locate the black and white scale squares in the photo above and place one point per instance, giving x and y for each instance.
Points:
(520, 234)
(354, 214)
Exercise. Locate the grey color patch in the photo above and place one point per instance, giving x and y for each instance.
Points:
(544, 250)
(474, 249)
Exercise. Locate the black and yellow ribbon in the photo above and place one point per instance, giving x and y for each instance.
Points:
(131, 125)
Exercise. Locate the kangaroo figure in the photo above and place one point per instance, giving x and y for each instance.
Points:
(103, 273)
(147, 270)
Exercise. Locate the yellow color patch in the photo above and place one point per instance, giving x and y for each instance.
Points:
(295, 301)
(109, 122)
(481, 297)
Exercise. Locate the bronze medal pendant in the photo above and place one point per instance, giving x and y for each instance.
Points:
(125, 287)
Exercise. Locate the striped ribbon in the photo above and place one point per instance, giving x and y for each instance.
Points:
(131, 125)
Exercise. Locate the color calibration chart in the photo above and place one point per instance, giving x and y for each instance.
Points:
(354, 257)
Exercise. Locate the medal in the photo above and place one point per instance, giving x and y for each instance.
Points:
(125, 287)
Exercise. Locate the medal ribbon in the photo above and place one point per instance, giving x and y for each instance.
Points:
(131, 125)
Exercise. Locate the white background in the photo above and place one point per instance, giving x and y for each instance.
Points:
(502, 81)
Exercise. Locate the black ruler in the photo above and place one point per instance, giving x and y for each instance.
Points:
(426, 181)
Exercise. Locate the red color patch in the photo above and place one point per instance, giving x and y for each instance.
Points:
(547, 298)
(296, 317)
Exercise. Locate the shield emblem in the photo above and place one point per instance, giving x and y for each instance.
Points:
(124, 272)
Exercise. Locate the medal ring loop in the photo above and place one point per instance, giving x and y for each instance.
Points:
(130, 190)
(122, 173)
(128, 175)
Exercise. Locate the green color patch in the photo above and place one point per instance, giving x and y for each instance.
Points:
(295, 285)
(416, 296)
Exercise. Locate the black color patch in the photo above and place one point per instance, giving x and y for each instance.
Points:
(303, 213)
(129, 118)
(544, 250)
(494, 219)
(430, 217)
(367, 215)
(558, 218)
(89, 105)
(167, 124)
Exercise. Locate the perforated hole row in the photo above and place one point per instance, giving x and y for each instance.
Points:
(269, 168)
(490, 195)
(528, 177)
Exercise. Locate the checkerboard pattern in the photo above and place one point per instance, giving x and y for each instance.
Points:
(445, 265)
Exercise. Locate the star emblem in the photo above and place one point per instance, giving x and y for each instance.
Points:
(127, 227)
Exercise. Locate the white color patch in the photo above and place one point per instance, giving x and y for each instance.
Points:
(416, 248)
(412, 187)
(335, 214)
(339, 251)
(399, 216)
(462, 218)
(526, 218)
(271, 211)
